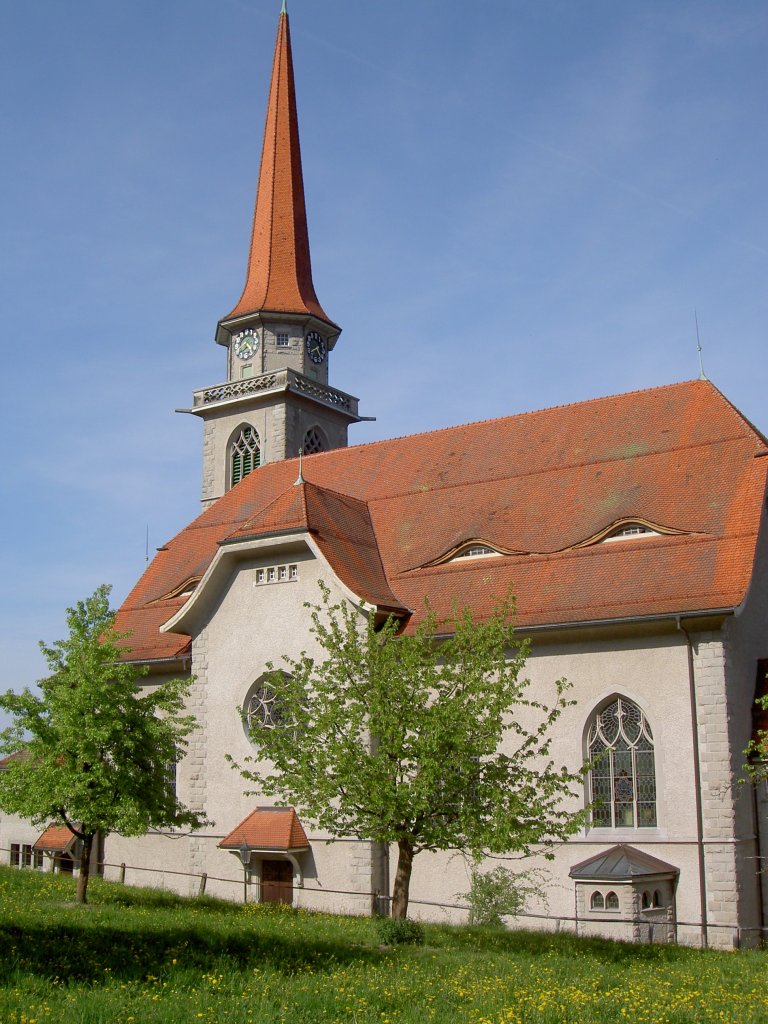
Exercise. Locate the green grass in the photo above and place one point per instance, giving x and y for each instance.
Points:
(134, 956)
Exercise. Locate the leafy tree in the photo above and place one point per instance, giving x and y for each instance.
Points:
(97, 750)
(417, 741)
(756, 766)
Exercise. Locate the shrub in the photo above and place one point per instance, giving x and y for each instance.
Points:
(395, 931)
(500, 892)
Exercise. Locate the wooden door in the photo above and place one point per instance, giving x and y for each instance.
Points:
(276, 881)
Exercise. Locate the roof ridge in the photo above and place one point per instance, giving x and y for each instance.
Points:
(280, 497)
(739, 413)
(514, 416)
(339, 494)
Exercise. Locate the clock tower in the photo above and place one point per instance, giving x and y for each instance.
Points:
(278, 339)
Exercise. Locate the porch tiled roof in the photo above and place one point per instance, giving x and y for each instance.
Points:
(268, 828)
(55, 839)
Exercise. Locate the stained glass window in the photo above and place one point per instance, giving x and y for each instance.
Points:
(244, 455)
(622, 783)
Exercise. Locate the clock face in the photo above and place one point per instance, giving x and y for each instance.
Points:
(245, 344)
(316, 348)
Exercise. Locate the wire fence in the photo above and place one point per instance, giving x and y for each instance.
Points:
(660, 930)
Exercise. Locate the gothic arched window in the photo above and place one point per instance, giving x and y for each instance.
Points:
(244, 455)
(622, 783)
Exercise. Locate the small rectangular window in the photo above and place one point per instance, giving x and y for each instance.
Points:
(37, 859)
(260, 575)
(294, 572)
(15, 855)
(271, 575)
(282, 341)
(26, 855)
(246, 372)
(283, 572)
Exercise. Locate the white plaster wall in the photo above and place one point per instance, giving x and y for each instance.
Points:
(14, 829)
(252, 624)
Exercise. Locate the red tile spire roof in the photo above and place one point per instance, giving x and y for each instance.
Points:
(279, 277)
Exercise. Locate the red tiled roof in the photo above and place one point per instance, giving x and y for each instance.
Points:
(279, 277)
(268, 828)
(55, 839)
(18, 755)
(342, 528)
(538, 483)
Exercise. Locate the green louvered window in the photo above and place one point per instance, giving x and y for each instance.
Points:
(245, 455)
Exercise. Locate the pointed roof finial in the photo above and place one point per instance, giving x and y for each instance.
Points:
(300, 477)
(702, 375)
(279, 275)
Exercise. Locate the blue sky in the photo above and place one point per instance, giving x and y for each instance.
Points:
(511, 206)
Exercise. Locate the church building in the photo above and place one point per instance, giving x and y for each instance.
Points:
(631, 530)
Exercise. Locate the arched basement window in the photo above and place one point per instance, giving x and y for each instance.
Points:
(244, 455)
(622, 784)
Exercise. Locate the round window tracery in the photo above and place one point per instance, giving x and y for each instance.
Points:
(262, 708)
(314, 441)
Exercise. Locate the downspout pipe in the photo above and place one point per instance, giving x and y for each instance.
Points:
(697, 783)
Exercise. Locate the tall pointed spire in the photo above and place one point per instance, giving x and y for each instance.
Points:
(279, 277)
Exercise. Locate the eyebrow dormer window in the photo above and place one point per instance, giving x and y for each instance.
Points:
(631, 531)
(476, 551)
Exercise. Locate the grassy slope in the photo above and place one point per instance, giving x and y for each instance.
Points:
(134, 956)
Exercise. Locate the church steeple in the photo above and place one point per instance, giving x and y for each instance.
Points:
(279, 276)
(276, 399)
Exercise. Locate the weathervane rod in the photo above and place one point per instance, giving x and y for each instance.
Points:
(283, 9)
(300, 477)
(702, 375)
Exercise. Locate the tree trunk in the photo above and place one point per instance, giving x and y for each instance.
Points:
(402, 879)
(85, 868)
